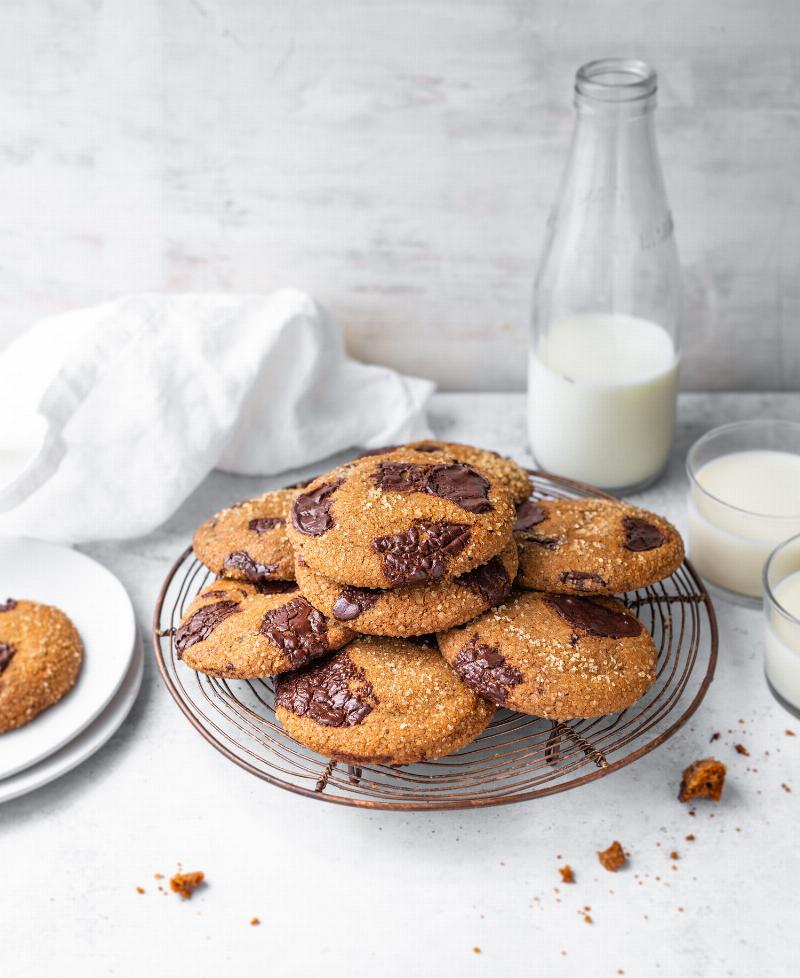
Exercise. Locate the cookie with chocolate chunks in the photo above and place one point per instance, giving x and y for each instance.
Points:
(386, 522)
(41, 654)
(380, 701)
(238, 630)
(248, 541)
(593, 546)
(413, 609)
(557, 656)
(500, 469)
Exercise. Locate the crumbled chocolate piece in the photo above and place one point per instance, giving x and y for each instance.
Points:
(641, 535)
(334, 693)
(490, 581)
(202, 623)
(581, 579)
(593, 618)
(311, 512)
(254, 571)
(612, 858)
(529, 514)
(354, 601)
(483, 668)
(9, 605)
(276, 587)
(703, 779)
(6, 655)
(264, 523)
(298, 629)
(421, 553)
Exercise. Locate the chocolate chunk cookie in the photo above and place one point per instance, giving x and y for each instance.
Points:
(413, 609)
(234, 630)
(381, 701)
(555, 655)
(501, 470)
(248, 541)
(383, 523)
(40, 658)
(593, 546)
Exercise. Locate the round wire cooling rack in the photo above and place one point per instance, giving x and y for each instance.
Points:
(516, 758)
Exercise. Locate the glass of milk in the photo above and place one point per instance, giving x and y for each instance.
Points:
(603, 366)
(744, 499)
(782, 624)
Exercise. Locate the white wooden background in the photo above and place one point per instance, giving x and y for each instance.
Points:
(397, 159)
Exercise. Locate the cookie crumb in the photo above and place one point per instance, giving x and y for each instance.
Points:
(255, 922)
(587, 919)
(674, 854)
(786, 787)
(476, 950)
(185, 884)
(567, 875)
(703, 779)
(612, 858)
(158, 876)
(715, 736)
(140, 889)
(789, 733)
(690, 837)
(741, 749)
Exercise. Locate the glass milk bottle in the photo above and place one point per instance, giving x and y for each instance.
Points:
(603, 368)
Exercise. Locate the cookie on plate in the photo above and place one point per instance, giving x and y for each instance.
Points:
(234, 630)
(593, 546)
(382, 701)
(382, 523)
(40, 657)
(555, 655)
(413, 609)
(248, 541)
(497, 467)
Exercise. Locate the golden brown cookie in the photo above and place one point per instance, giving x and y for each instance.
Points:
(593, 546)
(381, 701)
(555, 655)
(499, 469)
(234, 630)
(248, 541)
(40, 657)
(413, 609)
(382, 523)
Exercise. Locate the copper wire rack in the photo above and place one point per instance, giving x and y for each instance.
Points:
(517, 758)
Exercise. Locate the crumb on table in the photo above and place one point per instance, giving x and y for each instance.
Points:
(567, 875)
(703, 779)
(612, 858)
(255, 922)
(741, 749)
(185, 884)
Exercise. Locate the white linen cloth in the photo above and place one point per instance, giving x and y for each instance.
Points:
(141, 397)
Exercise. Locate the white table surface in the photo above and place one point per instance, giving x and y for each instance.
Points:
(342, 892)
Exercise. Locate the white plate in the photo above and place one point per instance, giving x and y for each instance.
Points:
(86, 743)
(101, 609)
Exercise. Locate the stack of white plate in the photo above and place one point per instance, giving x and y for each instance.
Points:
(71, 731)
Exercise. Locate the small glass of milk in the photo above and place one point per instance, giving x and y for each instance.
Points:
(744, 499)
(782, 624)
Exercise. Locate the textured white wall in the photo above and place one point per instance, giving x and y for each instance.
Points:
(397, 159)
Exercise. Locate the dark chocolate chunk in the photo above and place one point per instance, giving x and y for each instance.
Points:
(6, 655)
(299, 631)
(490, 581)
(593, 618)
(460, 485)
(264, 523)
(421, 553)
(581, 579)
(311, 512)
(335, 693)
(276, 587)
(202, 623)
(241, 561)
(10, 605)
(354, 601)
(400, 477)
(483, 668)
(641, 535)
(529, 514)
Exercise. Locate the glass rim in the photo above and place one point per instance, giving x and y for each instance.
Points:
(633, 80)
(691, 470)
(768, 591)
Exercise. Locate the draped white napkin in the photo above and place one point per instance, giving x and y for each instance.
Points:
(119, 411)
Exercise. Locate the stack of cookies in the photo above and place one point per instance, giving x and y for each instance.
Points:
(401, 597)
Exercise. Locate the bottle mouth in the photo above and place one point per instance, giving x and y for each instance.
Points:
(616, 80)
